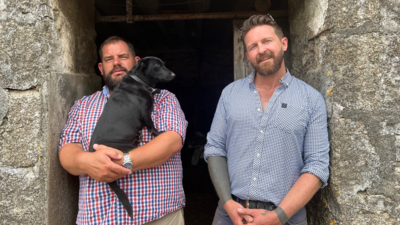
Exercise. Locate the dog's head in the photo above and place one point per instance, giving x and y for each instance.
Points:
(152, 70)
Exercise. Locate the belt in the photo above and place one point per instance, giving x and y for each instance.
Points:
(250, 204)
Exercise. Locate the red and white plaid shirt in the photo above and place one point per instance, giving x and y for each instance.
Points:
(153, 192)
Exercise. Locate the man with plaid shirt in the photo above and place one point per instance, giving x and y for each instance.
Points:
(154, 185)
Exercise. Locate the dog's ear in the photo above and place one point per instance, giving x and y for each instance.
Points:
(138, 67)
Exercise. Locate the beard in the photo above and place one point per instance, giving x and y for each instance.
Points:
(111, 82)
(264, 69)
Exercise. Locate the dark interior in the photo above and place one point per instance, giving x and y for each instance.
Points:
(200, 52)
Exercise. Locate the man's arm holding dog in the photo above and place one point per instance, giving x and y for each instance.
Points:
(154, 153)
(104, 164)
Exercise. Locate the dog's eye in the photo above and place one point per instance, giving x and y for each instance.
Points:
(157, 65)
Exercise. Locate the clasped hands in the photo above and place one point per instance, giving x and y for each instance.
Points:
(105, 164)
(240, 215)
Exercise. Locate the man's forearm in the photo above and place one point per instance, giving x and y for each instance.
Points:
(218, 168)
(157, 151)
(70, 158)
(99, 164)
(301, 193)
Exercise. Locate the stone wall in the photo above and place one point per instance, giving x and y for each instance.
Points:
(349, 51)
(47, 52)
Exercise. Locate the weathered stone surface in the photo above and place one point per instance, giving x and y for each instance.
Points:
(22, 162)
(33, 30)
(20, 133)
(310, 16)
(354, 63)
(22, 196)
(64, 89)
(355, 16)
(40, 39)
(3, 104)
(24, 44)
(74, 23)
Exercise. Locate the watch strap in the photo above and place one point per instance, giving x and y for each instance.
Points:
(127, 160)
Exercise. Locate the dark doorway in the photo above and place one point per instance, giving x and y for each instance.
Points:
(203, 68)
(200, 52)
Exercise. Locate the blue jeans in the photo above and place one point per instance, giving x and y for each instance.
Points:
(221, 217)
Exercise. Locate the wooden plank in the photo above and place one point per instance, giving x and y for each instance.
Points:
(241, 66)
(193, 16)
(129, 11)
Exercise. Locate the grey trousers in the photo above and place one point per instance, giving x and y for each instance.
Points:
(221, 217)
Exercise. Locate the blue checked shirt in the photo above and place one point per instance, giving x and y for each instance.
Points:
(268, 150)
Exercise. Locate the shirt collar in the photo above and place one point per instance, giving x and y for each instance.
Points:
(106, 92)
(285, 80)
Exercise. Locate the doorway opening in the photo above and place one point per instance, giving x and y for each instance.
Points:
(201, 54)
(203, 68)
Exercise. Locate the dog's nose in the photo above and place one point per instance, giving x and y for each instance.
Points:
(172, 74)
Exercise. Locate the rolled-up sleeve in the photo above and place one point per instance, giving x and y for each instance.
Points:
(316, 143)
(216, 138)
(71, 132)
(169, 115)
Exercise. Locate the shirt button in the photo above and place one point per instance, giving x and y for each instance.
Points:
(254, 178)
(259, 109)
(258, 154)
(261, 131)
(255, 91)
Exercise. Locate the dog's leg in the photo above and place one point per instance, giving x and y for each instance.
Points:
(122, 197)
(150, 125)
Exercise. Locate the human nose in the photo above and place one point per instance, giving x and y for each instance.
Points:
(116, 61)
(262, 49)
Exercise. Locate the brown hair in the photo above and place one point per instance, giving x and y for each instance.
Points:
(258, 20)
(114, 39)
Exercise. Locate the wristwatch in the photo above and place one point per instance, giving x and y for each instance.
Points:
(127, 161)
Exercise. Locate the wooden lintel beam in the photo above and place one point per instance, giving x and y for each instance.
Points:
(193, 16)
(129, 17)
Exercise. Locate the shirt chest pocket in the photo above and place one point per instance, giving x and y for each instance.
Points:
(291, 119)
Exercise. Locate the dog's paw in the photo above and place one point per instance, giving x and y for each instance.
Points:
(156, 133)
(155, 91)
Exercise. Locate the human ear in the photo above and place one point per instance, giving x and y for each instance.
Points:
(100, 65)
(284, 43)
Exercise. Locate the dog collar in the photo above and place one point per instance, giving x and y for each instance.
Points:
(149, 88)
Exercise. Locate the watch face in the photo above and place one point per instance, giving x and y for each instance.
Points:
(128, 165)
(127, 161)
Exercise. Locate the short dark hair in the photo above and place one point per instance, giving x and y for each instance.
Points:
(114, 39)
(259, 20)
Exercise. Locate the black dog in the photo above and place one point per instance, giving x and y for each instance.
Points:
(128, 110)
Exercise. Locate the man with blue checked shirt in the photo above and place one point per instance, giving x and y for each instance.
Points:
(268, 147)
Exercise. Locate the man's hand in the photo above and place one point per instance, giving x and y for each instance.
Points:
(260, 216)
(232, 207)
(105, 164)
(115, 154)
(99, 164)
